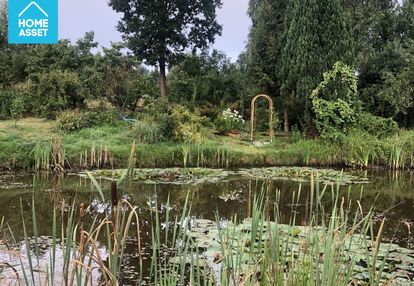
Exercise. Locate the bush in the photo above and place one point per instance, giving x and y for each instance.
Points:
(72, 120)
(377, 126)
(188, 125)
(55, 91)
(103, 116)
(13, 103)
(148, 131)
(229, 121)
(334, 102)
(17, 108)
(6, 100)
(166, 125)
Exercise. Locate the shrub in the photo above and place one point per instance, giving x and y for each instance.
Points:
(103, 116)
(377, 126)
(72, 120)
(166, 125)
(6, 100)
(147, 130)
(55, 91)
(17, 108)
(188, 125)
(334, 101)
(13, 103)
(229, 121)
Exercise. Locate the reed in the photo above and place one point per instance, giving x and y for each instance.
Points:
(95, 157)
(258, 251)
(41, 155)
(186, 152)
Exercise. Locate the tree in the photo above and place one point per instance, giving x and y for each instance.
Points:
(384, 63)
(160, 31)
(317, 34)
(17, 109)
(124, 81)
(3, 23)
(57, 90)
(264, 46)
(207, 79)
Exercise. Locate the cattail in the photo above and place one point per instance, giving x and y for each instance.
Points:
(114, 194)
(82, 211)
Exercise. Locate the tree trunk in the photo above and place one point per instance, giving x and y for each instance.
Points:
(163, 81)
(286, 120)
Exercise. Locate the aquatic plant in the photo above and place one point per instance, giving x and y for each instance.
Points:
(41, 154)
(336, 247)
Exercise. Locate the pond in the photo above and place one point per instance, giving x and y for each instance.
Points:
(213, 194)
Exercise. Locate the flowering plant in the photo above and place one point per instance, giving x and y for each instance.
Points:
(229, 121)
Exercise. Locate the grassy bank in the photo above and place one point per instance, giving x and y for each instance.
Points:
(36, 143)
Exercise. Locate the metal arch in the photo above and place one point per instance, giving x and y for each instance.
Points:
(253, 107)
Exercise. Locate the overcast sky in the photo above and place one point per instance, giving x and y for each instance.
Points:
(79, 16)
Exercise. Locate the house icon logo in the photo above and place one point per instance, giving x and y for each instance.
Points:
(33, 22)
(33, 3)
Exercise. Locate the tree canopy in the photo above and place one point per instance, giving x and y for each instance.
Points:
(160, 31)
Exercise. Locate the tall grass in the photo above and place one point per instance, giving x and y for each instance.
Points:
(106, 146)
(81, 250)
(42, 153)
(258, 251)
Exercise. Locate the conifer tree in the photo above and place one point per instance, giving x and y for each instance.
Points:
(316, 35)
(264, 46)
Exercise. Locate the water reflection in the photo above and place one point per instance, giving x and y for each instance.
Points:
(391, 193)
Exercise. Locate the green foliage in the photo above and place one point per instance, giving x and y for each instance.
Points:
(14, 103)
(157, 37)
(103, 116)
(6, 100)
(316, 35)
(377, 126)
(3, 23)
(188, 125)
(17, 108)
(149, 129)
(264, 45)
(229, 121)
(57, 90)
(72, 120)
(334, 102)
(125, 82)
(207, 79)
(387, 81)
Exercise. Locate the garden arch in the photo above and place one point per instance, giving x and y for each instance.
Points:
(253, 107)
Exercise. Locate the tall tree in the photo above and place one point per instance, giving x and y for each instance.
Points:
(384, 64)
(317, 34)
(3, 23)
(264, 45)
(160, 31)
(373, 25)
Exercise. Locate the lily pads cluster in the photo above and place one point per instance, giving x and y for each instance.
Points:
(298, 249)
(167, 176)
(304, 174)
(205, 175)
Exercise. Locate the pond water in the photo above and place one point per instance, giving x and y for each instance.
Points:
(392, 195)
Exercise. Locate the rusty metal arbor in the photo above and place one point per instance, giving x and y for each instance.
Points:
(253, 107)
